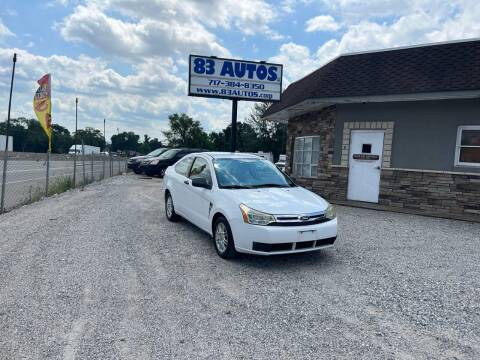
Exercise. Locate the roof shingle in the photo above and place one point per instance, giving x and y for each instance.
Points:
(424, 69)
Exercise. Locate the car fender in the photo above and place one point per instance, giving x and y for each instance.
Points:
(226, 207)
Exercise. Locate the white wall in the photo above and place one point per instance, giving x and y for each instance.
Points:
(3, 139)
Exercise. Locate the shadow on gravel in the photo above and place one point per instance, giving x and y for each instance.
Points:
(320, 259)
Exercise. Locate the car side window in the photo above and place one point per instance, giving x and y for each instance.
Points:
(201, 169)
(183, 166)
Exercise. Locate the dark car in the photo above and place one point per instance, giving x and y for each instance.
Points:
(157, 165)
(134, 162)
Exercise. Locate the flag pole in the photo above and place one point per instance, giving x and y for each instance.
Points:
(5, 155)
(75, 141)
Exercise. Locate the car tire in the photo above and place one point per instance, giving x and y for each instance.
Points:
(149, 173)
(223, 239)
(170, 209)
(162, 172)
(136, 171)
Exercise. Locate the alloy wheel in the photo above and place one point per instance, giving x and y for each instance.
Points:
(221, 237)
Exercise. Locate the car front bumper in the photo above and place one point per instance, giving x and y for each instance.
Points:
(273, 240)
(133, 166)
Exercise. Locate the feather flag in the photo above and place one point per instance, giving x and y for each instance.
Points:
(42, 104)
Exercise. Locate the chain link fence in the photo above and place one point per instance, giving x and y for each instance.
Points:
(31, 176)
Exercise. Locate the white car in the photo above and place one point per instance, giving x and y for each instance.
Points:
(247, 205)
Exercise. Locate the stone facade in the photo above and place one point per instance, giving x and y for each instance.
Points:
(433, 192)
(430, 192)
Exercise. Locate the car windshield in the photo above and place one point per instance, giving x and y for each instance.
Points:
(249, 173)
(169, 153)
(156, 152)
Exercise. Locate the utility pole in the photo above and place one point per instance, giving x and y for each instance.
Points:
(233, 139)
(104, 138)
(75, 140)
(5, 155)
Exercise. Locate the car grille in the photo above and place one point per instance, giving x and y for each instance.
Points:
(264, 247)
(299, 220)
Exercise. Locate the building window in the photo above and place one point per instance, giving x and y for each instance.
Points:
(468, 146)
(305, 158)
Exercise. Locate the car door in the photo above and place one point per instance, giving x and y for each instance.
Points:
(180, 184)
(200, 198)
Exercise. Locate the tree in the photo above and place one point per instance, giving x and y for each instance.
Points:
(90, 136)
(247, 140)
(19, 131)
(185, 132)
(155, 144)
(61, 139)
(125, 141)
(272, 135)
(145, 147)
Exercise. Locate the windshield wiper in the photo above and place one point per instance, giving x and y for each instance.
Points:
(236, 187)
(270, 185)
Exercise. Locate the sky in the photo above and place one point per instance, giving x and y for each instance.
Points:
(127, 60)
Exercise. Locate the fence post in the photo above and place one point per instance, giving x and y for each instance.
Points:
(111, 166)
(103, 163)
(48, 173)
(119, 166)
(4, 181)
(93, 178)
(83, 164)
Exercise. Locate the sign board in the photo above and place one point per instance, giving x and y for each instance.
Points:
(366, 157)
(3, 140)
(234, 79)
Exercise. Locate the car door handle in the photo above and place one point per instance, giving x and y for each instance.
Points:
(186, 182)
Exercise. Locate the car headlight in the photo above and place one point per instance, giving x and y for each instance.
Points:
(330, 213)
(154, 162)
(255, 217)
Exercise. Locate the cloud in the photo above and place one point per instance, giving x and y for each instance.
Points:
(4, 31)
(140, 101)
(140, 39)
(321, 23)
(425, 25)
(165, 27)
(296, 59)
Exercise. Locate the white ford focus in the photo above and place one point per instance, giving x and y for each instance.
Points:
(247, 205)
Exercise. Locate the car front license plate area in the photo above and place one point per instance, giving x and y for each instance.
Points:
(307, 235)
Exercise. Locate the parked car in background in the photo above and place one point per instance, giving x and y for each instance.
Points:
(157, 165)
(247, 205)
(281, 162)
(134, 162)
(87, 149)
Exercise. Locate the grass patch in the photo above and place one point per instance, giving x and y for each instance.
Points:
(60, 185)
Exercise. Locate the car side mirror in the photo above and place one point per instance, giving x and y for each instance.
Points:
(201, 182)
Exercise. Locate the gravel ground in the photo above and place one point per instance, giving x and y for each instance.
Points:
(101, 274)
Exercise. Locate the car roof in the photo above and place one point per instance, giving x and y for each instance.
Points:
(229, 155)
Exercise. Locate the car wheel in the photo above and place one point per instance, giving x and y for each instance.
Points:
(169, 209)
(223, 239)
(162, 172)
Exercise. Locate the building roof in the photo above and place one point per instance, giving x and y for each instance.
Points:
(441, 67)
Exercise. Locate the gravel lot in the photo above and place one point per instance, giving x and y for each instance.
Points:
(101, 274)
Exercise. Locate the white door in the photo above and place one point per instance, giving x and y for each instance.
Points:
(180, 184)
(365, 161)
(200, 199)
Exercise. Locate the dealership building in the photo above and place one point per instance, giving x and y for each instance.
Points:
(392, 129)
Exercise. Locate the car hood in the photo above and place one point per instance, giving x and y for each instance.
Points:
(278, 201)
(136, 158)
